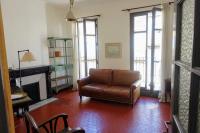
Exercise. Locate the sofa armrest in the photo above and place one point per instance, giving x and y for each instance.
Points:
(136, 84)
(135, 91)
(83, 81)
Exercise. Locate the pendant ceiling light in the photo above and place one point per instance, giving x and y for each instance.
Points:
(70, 16)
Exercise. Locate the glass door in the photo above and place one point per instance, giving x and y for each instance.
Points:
(146, 39)
(87, 38)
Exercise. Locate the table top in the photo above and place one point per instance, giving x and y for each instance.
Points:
(18, 95)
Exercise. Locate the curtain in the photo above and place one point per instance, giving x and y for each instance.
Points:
(166, 49)
(75, 56)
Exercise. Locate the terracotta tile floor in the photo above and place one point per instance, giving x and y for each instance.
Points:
(147, 115)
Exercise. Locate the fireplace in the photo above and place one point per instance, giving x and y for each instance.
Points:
(35, 81)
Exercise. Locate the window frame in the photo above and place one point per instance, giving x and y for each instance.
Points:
(132, 45)
(85, 35)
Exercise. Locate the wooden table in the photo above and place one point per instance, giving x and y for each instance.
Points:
(22, 102)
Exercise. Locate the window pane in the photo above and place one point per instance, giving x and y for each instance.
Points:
(158, 38)
(158, 21)
(90, 27)
(91, 47)
(148, 67)
(81, 41)
(87, 43)
(140, 54)
(140, 45)
(149, 29)
(140, 23)
(82, 69)
(91, 64)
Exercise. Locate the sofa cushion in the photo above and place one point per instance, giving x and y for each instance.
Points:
(125, 77)
(117, 92)
(101, 76)
(93, 89)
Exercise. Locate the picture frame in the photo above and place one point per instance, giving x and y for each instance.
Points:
(113, 50)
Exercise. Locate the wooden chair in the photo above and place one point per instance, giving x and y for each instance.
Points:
(50, 126)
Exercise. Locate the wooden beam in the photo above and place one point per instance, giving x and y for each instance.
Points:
(5, 78)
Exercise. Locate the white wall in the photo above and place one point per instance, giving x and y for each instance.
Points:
(114, 26)
(27, 24)
(56, 24)
(25, 28)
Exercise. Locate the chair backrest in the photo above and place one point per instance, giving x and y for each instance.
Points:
(31, 124)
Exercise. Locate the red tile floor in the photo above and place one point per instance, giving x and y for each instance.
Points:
(95, 116)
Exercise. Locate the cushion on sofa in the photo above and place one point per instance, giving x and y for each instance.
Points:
(93, 89)
(117, 92)
(101, 76)
(125, 77)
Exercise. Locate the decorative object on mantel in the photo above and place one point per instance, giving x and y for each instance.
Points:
(57, 54)
(70, 16)
(27, 57)
(113, 50)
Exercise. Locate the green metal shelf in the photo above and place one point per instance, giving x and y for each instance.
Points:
(60, 47)
(56, 89)
(60, 56)
(62, 66)
(62, 77)
(58, 38)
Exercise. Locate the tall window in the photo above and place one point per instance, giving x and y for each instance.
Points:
(87, 40)
(146, 40)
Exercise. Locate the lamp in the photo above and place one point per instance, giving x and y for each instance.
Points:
(27, 57)
(70, 16)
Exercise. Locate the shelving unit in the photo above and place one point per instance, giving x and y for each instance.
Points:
(61, 60)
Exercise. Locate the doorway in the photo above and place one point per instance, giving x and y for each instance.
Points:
(146, 40)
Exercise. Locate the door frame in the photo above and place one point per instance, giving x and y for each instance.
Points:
(5, 88)
(132, 15)
(3, 118)
(145, 13)
(85, 42)
(193, 69)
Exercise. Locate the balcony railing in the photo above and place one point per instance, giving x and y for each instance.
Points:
(140, 64)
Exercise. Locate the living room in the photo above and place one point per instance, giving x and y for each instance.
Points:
(122, 66)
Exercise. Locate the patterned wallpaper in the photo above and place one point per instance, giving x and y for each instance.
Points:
(184, 96)
(187, 31)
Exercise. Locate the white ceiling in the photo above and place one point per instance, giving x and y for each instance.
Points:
(62, 1)
(59, 2)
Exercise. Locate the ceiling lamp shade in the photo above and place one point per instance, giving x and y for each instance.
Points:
(70, 16)
(28, 56)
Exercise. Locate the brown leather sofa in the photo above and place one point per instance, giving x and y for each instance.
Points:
(114, 85)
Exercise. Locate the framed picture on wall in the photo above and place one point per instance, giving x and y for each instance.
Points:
(113, 50)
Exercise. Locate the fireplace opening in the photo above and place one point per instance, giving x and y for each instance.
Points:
(33, 91)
